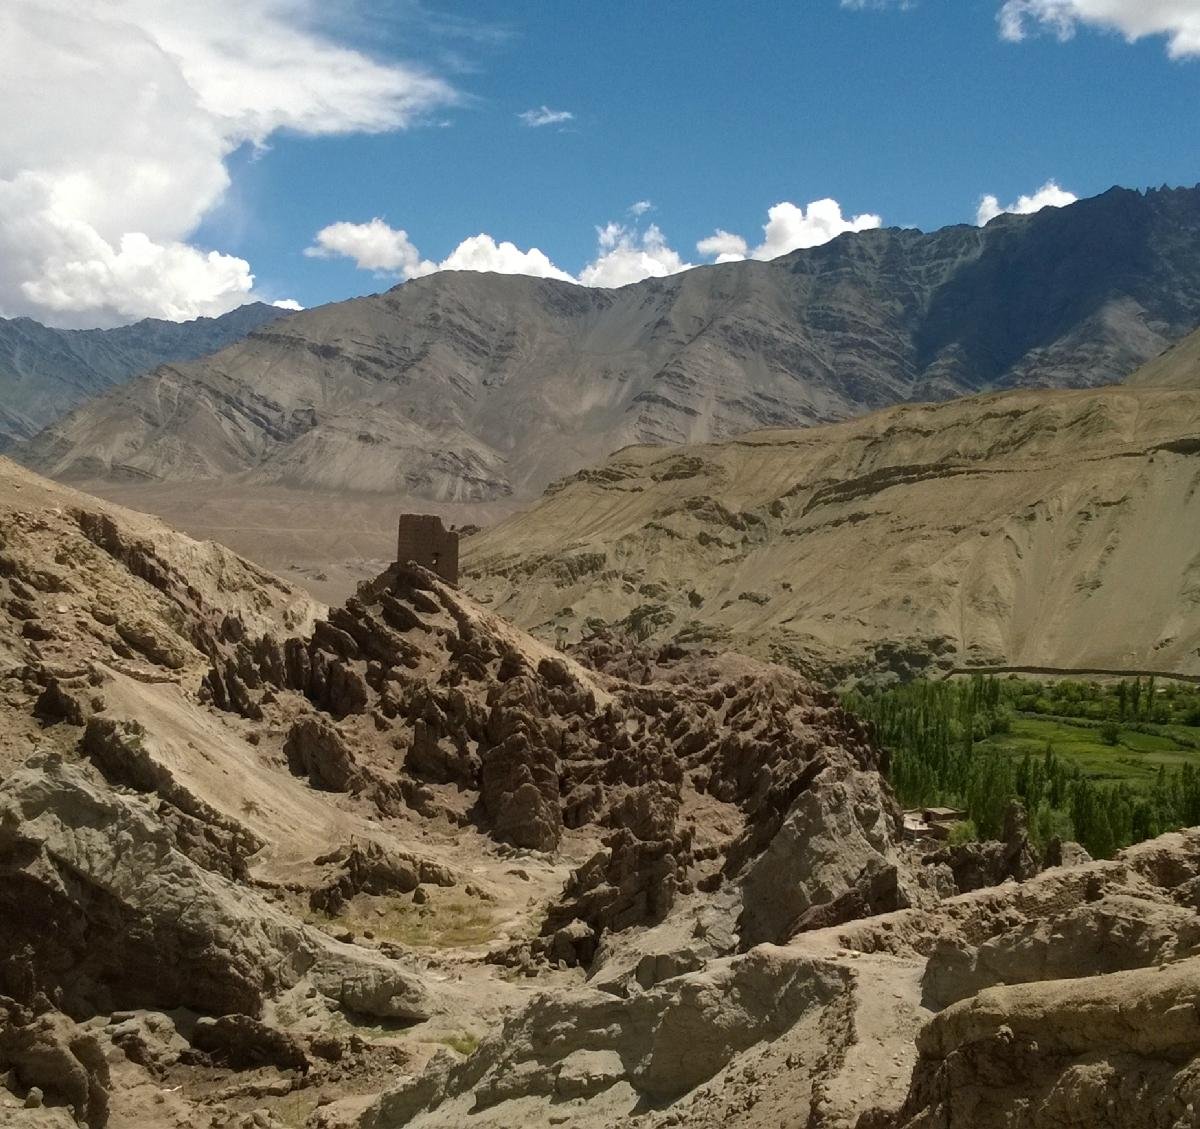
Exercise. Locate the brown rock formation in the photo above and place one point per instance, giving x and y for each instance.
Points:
(546, 746)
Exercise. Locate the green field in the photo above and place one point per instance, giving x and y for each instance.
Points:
(1134, 760)
(1108, 764)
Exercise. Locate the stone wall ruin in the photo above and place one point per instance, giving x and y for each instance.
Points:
(423, 540)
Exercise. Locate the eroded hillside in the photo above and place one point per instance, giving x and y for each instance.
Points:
(250, 859)
(1010, 529)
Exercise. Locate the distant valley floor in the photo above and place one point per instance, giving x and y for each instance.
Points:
(325, 542)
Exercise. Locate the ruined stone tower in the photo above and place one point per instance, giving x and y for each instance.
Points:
(423, 540)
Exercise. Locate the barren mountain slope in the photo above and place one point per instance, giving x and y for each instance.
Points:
(1178, 367)
(45, 372)
(1026, 528)
(464, 387)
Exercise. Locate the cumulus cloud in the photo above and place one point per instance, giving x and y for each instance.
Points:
(1050, 195)
(623, 254)
(168, 280)
(376, 246)
(373, 246)
(724, 246)
(543, 115)
(1178, 20)
(640, 208)
(482, 252)
(789, 227)
(287, 304)
(103, 183)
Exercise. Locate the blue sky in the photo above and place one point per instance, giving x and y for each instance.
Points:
(712, 112)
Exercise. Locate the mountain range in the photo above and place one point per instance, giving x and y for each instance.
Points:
(480, 388)
(46, 372)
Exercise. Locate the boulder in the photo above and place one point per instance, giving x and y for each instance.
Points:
(832, 859)
(314, 748)
(1120, 1051)
(54, 1057)
(244, 1043)
(373, 869)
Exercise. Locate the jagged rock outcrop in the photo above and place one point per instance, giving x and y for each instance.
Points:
(83, 583)
(1113, 933)
(47, 1051)
(829, 858)
(244, 1042)
(653, 1047)
(1074, 1007)
(1120, 1051)
(314, 749)
(549, 748)
(374, 869)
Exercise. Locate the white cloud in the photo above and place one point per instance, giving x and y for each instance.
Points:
(1050, 195)
(623, 254)
(119, 116)
(727, 247)
(167, 280)
(788, 228)
(626, 255)
(640, 208)
(378, 247)
(287, 304)
(482, 252)
(1178, 20)
(373, 246)
(543, 115)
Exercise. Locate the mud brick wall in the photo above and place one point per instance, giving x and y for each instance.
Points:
(423, 540)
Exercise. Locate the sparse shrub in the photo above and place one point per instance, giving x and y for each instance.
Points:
(963, 832)
(464, 1043)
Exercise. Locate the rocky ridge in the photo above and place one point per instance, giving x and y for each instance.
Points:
(231, 827)
(675, 782)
